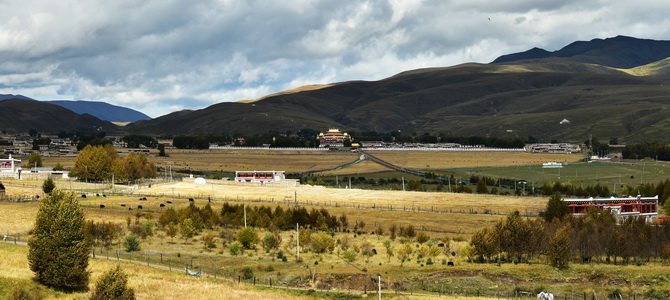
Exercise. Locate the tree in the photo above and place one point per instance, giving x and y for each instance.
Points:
(559, 248)
(556, 208)
(132, 243)
(161, 150)
(187, 229)
(481, 187)
(322, 242)
(48, 186)
(113, 285)
(35, 160)
(248, 237)
(58, 250)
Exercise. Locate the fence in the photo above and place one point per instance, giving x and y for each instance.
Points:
(358, 283)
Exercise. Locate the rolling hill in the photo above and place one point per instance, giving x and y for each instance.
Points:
(20, 115)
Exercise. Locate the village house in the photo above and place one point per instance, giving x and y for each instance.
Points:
(621, 207)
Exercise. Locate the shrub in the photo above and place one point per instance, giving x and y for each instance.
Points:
(247, 273)
(113, 285)
(209, 240)
(350, 255)
(131, 243)
(235, 248)
(48, 186)
(280, 254)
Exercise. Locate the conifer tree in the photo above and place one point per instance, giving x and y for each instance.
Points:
(58, 250)
(48, 186)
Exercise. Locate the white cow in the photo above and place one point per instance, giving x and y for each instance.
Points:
(545, 296)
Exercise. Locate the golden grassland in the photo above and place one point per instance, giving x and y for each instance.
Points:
(302, 161)
(456, 159)
(260, 160)
(364, 167)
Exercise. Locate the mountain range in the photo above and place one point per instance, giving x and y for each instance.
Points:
(614, 87)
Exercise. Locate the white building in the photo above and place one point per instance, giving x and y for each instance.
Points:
(10, 167)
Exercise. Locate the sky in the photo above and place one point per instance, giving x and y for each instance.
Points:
(161, 56)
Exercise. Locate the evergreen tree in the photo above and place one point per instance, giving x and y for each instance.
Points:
(556, 208)
(113, 285)
(48, 186)
(58, 250)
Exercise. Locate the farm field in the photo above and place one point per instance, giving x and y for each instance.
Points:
(422, 160)
(612, 174)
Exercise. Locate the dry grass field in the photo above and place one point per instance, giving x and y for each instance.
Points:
(261, 160)
(449, 159)
(148, 282)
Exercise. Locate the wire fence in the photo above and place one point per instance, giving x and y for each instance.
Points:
(359, 282)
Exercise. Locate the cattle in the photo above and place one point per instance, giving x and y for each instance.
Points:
(102, 206)
(143, 199)
(139, 207)
(374, 251)
(169, 202)
(103, 195)
(83, 195)
(123, 205)
(130, 208)
(545, 296)
(97, 195)
(451, 263)
(190, 199)
(162, 205)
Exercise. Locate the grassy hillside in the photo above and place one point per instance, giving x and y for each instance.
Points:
(471, 99)
(18, 116)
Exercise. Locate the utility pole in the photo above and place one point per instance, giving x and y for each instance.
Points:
(379, 286)
(297, 241)
(403, 183)
(245, 216)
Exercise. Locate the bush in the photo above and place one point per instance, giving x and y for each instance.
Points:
(131, 243)
(247, 273)
(48, 186)
(20, 292)
(113, 285)
(235, 248)
(350, 255)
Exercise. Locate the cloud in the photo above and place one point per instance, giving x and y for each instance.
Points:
(159, 56)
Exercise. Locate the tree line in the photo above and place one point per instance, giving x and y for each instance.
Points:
(560, 238)
(99, 163)
(656, 150)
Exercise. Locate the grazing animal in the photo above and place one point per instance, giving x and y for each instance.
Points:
(190, 199)
(103, 195)
(97, 195)
(162, 205)
(139, 207)
(545, 296)
(130, 208)
(102, 206)
(83, 195)
(169, 202)
(123, 205)
(451, 263)
(374, 251)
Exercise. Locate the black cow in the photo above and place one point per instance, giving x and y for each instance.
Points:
(162, 205)
(97, 195)
(102, 206)
(139, 207)
(103, 195)
(123, 205)
(451, 263)
(83, 195)
(190, 199)
(169, 202)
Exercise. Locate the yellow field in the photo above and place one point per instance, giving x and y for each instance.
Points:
(261, 160)
(448, 159)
